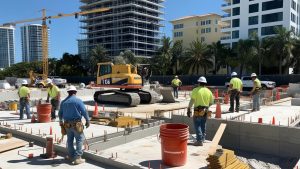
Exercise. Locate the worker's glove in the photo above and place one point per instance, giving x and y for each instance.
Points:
(87, 124)
(189, 112)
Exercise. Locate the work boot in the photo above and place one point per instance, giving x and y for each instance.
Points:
(53, 119)
(78, 161)
(198, 143)
(237, 110)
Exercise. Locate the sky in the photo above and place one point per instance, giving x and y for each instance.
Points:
(64, 32)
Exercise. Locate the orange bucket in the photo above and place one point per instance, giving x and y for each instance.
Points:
(44, 113)
(174, 139)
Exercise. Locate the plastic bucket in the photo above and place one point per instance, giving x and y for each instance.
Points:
(13, 106)
(174, 144)
(44, 113)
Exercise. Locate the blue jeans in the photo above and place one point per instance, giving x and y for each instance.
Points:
(79, 137)
(175, 89)
(24, 104)
(256, 101)
(200, 128)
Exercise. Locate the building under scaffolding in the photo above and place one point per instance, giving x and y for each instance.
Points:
(130, 24)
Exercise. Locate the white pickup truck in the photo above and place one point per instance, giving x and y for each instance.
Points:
(248, 83)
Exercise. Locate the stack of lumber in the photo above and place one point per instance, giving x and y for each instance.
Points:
(225, 159)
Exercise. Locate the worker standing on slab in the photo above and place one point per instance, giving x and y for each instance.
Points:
(54, 94)
(176, 83)
(24, 95)
(70, 114)
(235, 89)
(202, 99)
(255, 92)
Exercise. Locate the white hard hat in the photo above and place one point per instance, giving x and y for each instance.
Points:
(176, 76)
(48, 81)
(253, 75)
(233, 74)
(202, 80)
(71, 88)
(24, 82)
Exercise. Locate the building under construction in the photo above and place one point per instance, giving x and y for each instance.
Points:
(131, 24)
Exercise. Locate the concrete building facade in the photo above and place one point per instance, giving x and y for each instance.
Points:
(31, 39)
(7, 46)
(206, 28)
(132, 24)
(244, 17)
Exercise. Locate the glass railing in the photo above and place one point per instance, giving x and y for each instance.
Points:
(225, 37)
(227, 4)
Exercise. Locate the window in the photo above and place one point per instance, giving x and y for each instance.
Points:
(197, 31)
(203, 30)
(252, 32)
(293, 5)
(235, 1)
(202, 23)
(253, 20)
(216, 29)
(178, 26)
(216, 21)
(253, 8)
(208, 22)
(234, 46)
(293, 18)
(235, 23)
(178, 34)
(293, 29)
(235, 34)
(208, 30)
(202, 39)
(269, 30)
(275, 4)
(273, 17)
(196, 23)
(236, 11)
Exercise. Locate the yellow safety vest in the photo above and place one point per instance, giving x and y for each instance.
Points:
(23, 91)
(202, 97)
(53, 92)
(236, 83)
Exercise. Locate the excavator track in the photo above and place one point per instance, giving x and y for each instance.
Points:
(148, 97)
(117, 97)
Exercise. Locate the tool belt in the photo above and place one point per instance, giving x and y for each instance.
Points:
(77, 125)
(202, 111)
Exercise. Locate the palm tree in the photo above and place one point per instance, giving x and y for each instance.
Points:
(282, 45)
(129, 57)
(260, 48)
(296, 57)
(177, 52)
(198, 56)
(220, 54)
(245, 52)
(162, 61)
(98, 54)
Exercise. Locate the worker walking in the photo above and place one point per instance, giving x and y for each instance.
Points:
(255, 92)
(70, 114)
(202, 99)
(235, 89)
(54, 94)
(24, 95)
(176, 83)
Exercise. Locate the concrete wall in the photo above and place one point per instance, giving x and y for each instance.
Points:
(265, 139)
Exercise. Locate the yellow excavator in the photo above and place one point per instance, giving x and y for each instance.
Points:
(128, 82)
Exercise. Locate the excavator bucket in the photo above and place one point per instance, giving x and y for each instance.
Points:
(167, 94)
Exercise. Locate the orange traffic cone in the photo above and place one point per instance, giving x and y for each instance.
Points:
(50, 130)
(95, 113)
(273, 121)
(216, 93)
(226, 100)
(218, 111)
(277, 95)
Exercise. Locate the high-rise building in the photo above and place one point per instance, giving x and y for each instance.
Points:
(130, 24)
(7, 46)
(31, 37)
(244, 17)
(206, 28)
(83, 49)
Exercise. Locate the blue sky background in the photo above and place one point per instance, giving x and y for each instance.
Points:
(65, 31)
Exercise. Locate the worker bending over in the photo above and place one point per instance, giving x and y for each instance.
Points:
(24, 95)
(235, 89)
(70, 114)
(202, 99)
(176, 83)
(54, 94)
(255, 92)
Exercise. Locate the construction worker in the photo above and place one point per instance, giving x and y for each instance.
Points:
(70, 114)
(202, 99)
(255, 92)
(54, 94)
(24, 95)
(176, 83)
(235, 89)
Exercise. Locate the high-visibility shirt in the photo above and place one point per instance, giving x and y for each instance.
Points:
(53, 92)
(257, 83)
(176, 82)
(236, 83)
(202, 96)
(23, 91)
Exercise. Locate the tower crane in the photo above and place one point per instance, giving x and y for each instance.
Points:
(45, 41)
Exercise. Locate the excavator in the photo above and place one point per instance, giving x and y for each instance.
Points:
(128, 82)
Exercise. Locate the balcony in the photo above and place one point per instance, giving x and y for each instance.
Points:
(227, 4)
(225, 37)
(226, 16)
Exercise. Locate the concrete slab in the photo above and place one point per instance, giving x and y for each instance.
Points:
(295, 101)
